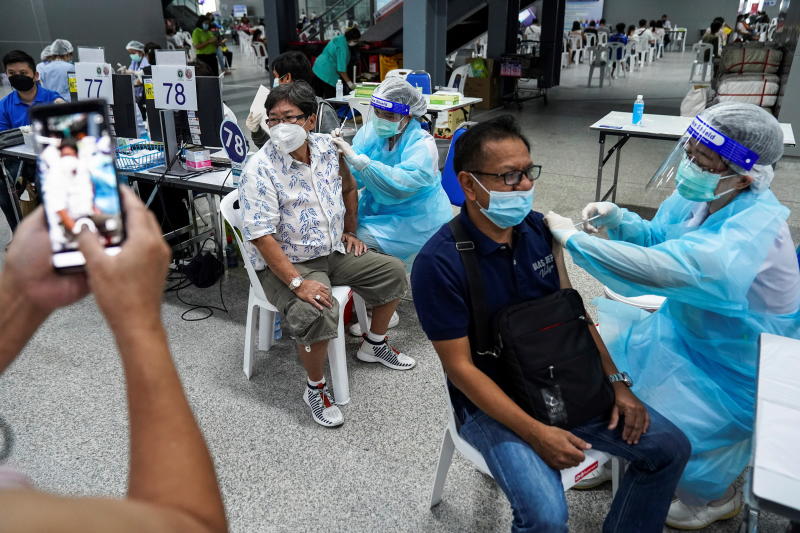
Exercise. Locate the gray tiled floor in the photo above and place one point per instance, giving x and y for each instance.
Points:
(278, 470)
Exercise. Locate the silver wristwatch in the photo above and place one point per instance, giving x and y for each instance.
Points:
(295, 283)
(621, 376)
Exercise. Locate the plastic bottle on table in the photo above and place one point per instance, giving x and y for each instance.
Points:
(638, 110)
(339, 89)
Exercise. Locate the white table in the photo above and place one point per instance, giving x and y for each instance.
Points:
(673, 33)
(667, 127)
(774, 483)
(433, 109)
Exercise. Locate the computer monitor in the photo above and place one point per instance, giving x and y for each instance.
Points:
(122, 113)
(207, 118)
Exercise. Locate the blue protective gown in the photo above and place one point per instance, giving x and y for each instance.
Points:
(403, 203)
(695, 359)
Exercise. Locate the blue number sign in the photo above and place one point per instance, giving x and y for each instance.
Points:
(233, 141)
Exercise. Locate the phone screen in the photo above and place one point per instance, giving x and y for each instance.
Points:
(78, 181)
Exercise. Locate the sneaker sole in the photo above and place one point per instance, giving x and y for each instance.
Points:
(366, 358)
(590, 484)
(727, 516)
(305, 399)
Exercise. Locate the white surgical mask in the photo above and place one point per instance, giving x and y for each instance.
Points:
(288, 137)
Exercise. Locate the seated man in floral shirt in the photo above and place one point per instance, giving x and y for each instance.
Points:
(300, 209)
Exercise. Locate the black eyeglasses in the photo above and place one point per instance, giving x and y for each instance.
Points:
(513, 177)
(289, 120)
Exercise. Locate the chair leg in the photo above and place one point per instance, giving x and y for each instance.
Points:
(591, 72)
(361, 312)
(442, 467)
(602, 74)
(337, 360)
(266, 329)
(250, 338)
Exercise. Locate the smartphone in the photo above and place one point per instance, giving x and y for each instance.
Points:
(76, 178)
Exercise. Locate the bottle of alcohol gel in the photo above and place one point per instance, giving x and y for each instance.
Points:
(638, 110)
(339, 89)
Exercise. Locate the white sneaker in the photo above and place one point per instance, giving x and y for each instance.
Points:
(384, 354)
(595, 479)
(323, 406)
(355, 327)
(682, 516)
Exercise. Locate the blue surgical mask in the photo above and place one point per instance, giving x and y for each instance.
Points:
(385, 128)
(205, 26)
(698, 185)
(507, 208)
(134, 57)
(276, 82)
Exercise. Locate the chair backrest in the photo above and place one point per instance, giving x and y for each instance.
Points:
(575, 42)
(399, 73)
(602, 37)
(362, 106)
(231, 212)
(616, 51)
(170, 45)
(458, 79)
(449, 179)
(602, 54)
(591, 39)
(259, 49)
(704, 52)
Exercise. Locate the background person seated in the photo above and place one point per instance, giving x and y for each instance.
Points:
(300, 209)
(289, 67)
(496, 172)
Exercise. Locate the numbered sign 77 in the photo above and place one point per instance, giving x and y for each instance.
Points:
(93, 80)
(174, 87)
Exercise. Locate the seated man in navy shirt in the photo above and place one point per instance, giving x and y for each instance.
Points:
(21, 71)
(518, 262)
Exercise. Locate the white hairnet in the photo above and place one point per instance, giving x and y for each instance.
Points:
(755, 128)
(399, 90)
(46, 52)
(61, 47)
(135, 45)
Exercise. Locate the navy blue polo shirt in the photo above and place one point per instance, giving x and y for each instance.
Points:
(524, 271)
(14, 112)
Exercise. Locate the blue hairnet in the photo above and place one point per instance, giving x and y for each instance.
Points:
(398, 90)
(753, 127)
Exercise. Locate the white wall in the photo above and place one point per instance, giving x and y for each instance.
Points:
(691, 14)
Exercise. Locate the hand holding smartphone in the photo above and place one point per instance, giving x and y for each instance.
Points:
(77, 179)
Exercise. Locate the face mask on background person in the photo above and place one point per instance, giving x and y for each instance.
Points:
(698, 185)
(288, 137)
(507, 208)
(21, 82)
(385, 128)
(135, 57)
(205, 26)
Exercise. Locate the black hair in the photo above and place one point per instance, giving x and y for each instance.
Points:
(68, 142)
(298, 93)
(631, 28)
(352, 34)
(18, 56)
(592, 24)
(602, 21)
(576, 26)
(659, 24)
(469, 147)
(642, 23)
(716, 26)
(150, 51)
(653, 24)
(294, 63)
(720, 20)
(621, 27)
(200, 20)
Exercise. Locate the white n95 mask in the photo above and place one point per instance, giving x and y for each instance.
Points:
(288, 137)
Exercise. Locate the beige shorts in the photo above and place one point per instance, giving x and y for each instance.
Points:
(376, 277)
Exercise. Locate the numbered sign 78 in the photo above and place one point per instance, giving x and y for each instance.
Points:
(233, 141)
(174, 87)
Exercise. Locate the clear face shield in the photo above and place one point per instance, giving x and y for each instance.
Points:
(700, 160)
(387, 116)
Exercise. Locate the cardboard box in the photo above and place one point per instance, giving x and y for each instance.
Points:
(486, 88)
(448, 123)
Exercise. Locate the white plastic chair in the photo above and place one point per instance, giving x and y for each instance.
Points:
(659, 46)
(452, 441)
(630, 54)
(258, 305)
(170, 45)
(564, 54)
(703, 62)
(600, 61)
(602, 37)
(362, 106)
(591, 42)
(576, 48)
(259, 52)
(244, 44)
(458, 79)
(617, 56)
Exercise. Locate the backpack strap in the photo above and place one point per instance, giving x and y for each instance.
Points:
(481, 334)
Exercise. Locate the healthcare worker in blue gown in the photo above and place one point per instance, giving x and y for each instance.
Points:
(396, 164)
(720, 251)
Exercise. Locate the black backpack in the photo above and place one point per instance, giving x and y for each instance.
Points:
(547, 359)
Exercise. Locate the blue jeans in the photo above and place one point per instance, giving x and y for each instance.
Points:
(534, 489)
